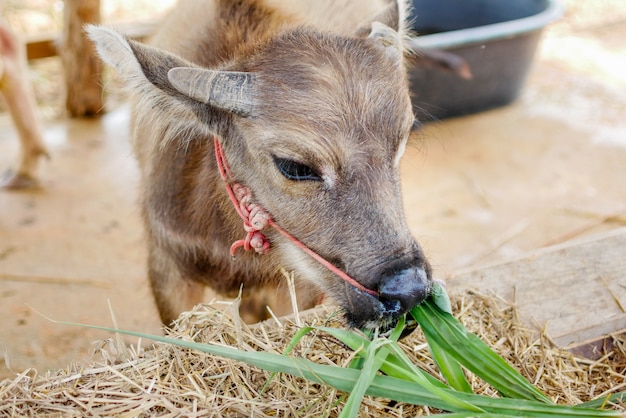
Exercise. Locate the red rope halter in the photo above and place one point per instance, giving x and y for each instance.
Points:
(256, 218)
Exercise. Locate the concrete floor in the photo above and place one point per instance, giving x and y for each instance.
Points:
(478, 189)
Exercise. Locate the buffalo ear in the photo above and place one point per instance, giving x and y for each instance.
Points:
(137, 63)
(113, 48)
(388, 39)
(393, 15)
(145, 67)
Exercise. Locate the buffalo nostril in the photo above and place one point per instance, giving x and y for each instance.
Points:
(407, 288)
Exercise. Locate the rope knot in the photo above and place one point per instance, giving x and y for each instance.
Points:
(255, 219)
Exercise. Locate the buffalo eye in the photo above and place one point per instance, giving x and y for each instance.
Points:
(296, 171)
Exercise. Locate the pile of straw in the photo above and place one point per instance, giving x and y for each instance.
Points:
(165, 380)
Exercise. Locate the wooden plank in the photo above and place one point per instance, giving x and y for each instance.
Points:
(46, 45)
(576, 290)
(41, 46)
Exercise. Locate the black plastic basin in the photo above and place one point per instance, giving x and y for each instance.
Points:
(497, 38)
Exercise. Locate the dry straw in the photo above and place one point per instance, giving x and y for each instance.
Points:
(165, 380)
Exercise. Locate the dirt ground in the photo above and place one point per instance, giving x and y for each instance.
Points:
(478, 189)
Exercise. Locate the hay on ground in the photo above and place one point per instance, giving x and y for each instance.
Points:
(166, 380)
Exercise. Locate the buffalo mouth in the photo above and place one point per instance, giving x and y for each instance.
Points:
(367, 312)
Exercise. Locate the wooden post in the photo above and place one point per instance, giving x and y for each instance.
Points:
(82, 67)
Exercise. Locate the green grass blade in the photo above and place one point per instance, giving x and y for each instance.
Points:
(392, 366)
(409, 392)
(288, 349)
(340, 378)
(297, 337)
(477, 357)
(400, 366)
(396, 367)
(397, 331)
(374, 357)
(450, 369)
(381, 386)
(417, 377)
(601, 402)
(471, 352)
(473, 415)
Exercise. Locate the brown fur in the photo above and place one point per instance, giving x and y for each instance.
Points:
(334, 102)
